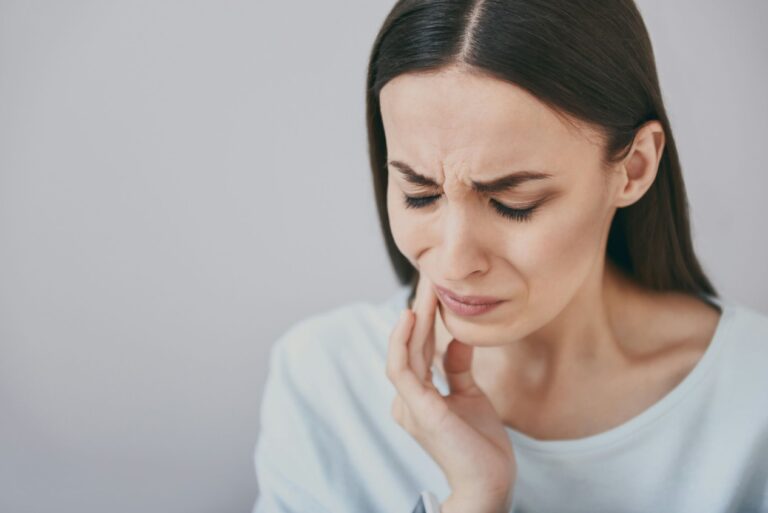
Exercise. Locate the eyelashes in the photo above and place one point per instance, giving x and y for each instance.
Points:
(516, 214)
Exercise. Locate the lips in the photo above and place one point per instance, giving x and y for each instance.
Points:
(468, 300)
(467, 309)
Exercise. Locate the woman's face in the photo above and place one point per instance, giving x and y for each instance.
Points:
(456, 128)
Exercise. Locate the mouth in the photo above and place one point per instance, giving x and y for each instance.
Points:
(467, 305)
(468, 300)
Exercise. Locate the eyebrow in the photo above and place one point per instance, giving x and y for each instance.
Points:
(505, 183)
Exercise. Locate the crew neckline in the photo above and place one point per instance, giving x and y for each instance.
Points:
(651, 414)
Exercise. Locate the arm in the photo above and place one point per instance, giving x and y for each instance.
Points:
(288, 462)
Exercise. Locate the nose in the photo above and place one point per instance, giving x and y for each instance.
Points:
(461, 251)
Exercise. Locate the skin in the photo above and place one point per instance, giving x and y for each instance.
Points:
(571, 322)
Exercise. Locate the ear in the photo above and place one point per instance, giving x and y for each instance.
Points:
(638, 169)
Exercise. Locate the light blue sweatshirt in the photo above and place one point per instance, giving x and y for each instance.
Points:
(328, 443)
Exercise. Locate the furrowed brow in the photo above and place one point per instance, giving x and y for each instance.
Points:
(505, 183)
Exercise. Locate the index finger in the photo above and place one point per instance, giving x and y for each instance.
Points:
(422, 340)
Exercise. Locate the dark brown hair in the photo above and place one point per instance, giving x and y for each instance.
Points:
(589, 59)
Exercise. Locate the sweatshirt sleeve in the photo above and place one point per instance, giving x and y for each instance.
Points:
(292, 450)
(427, 503)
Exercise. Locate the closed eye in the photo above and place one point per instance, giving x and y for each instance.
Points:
(517, 214)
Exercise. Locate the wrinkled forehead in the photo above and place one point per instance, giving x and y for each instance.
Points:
(476, 121)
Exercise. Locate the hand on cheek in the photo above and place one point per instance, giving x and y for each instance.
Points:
(442, 338)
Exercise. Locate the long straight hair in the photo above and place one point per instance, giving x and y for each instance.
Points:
(589, 59)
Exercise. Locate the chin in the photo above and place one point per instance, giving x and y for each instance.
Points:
(463, 329)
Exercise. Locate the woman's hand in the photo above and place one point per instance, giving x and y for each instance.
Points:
(461, 431)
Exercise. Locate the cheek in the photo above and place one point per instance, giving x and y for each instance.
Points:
(558, 255)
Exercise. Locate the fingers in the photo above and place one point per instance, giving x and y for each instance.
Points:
(457, 363)
(414, 392)
(399, 370)
(422, 341)
(429, 351)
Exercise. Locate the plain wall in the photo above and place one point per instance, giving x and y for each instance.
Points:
(180, 181)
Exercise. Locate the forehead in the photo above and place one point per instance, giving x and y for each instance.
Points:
(475, 119)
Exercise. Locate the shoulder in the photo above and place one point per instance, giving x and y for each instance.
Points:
(355, 328)
(739, 377)
(744, 327)
(315, 400)
(325, 415)
(337, 350)
(744, 334)
(735, 333)
(322, 365)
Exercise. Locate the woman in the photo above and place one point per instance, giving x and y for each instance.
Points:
(558, 346)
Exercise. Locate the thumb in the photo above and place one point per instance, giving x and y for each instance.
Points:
(457, 363)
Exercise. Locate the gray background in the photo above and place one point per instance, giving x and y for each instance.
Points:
(180, 181)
